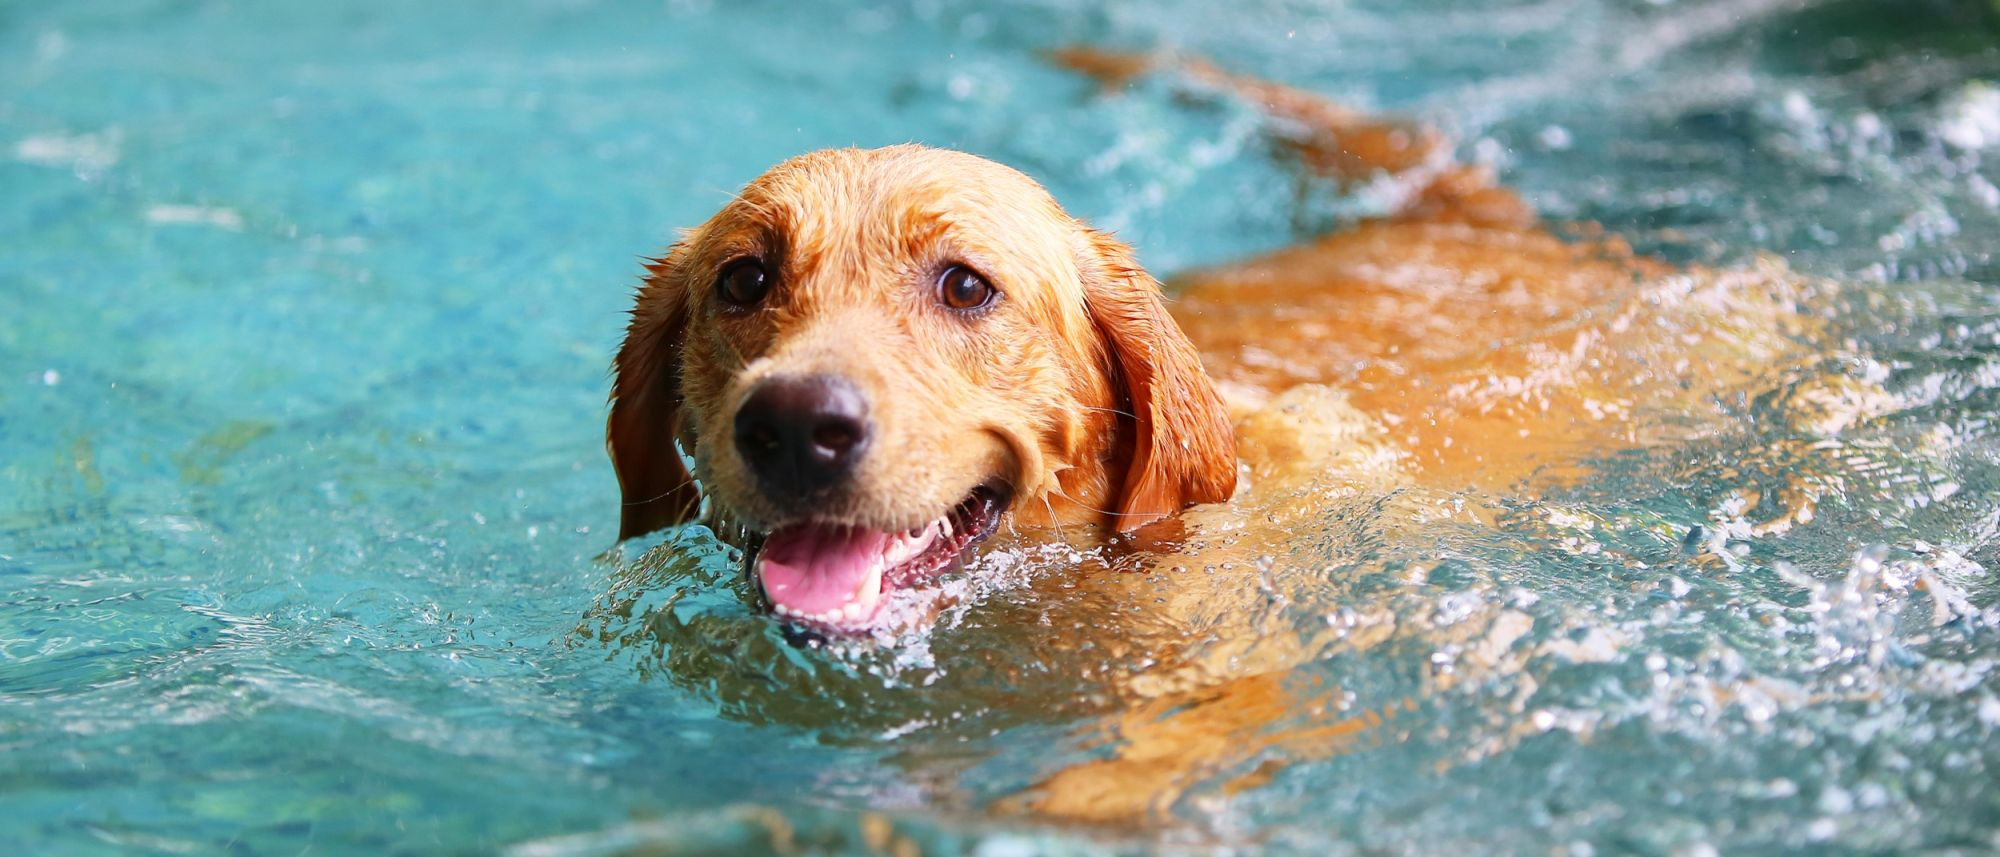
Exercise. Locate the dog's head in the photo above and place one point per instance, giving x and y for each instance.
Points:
(874, 356)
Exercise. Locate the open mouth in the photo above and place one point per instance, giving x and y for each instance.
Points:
(838, 576)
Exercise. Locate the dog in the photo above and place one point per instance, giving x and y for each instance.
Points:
(875, 357)
(868, 362)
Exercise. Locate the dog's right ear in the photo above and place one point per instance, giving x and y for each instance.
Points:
(646, 405)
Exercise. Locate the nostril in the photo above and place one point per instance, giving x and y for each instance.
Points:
(836, 436)
(759, 437)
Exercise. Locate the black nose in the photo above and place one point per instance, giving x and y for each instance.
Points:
(802, 435)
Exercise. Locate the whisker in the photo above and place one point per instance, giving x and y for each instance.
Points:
(1058, 492)
(668, 493)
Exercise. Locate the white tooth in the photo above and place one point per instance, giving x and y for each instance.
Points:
(852, 612)
(871, 592)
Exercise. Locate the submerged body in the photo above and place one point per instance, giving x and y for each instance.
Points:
(1452, 348)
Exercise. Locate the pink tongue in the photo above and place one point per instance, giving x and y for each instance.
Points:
(813, 568)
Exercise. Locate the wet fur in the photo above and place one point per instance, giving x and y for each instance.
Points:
(1452, 348)
(1076, 387)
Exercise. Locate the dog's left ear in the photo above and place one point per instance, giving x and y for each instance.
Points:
(646, 405)
(1183, 446)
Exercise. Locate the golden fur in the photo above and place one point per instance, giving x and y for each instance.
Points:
(1076, 387)
(1456, 344)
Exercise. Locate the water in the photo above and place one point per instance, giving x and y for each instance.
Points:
(305, 517)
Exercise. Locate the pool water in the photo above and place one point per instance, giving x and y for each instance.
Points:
(307, 532)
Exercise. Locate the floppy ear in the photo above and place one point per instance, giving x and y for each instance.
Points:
(1183, 446)
(646, 405)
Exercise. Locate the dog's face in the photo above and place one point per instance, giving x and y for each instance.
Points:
(873, 357)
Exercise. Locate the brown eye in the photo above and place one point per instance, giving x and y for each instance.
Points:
(962, 289)
(743, 283)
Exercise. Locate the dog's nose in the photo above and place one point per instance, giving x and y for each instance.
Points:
(802, 434)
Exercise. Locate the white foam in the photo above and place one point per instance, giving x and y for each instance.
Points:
(1971, 118)
(85, 153)
(195, 215)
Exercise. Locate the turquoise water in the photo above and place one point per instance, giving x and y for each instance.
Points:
(306, 530)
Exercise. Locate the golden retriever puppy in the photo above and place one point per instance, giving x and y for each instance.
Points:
(874, 357)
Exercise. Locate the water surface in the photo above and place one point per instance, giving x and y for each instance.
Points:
(304, 318)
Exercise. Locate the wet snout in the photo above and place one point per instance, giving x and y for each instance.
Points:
(803, 436)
